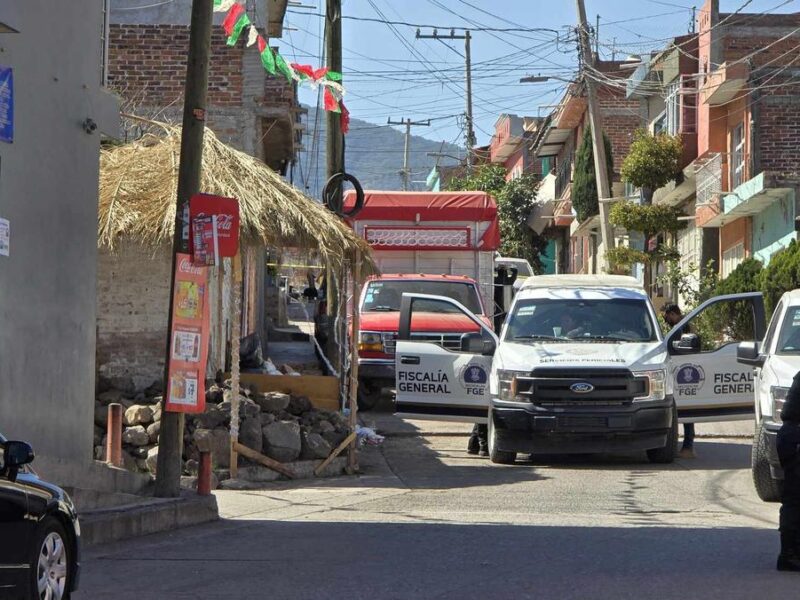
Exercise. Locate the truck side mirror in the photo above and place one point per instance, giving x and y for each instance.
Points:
(475, 343)
(749, 353)
(687, 344)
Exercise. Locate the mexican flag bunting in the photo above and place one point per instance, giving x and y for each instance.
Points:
(303, 72)
(284, 67)
(344, 119)
(252, 36)
(235, 21)
(331, 102)
(223, 5)
(333, 75)
(267, 58)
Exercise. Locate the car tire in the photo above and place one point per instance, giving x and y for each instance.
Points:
(666, 454)
(498, 457)
(768, 488)
(51, 561)
(368, 395)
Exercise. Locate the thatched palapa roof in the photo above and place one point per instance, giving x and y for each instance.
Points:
(138, 186)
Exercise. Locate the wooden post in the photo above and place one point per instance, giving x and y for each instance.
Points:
(236, 334)
(114, 435)
(170, 448)
(352, 453)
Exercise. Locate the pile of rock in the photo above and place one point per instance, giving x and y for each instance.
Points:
(283, 427)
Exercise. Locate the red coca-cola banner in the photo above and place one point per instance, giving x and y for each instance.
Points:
(189, 338)
(225, 213)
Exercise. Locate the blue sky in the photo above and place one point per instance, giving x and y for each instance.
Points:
(389, 73)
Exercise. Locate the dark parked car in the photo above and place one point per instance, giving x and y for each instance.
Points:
(39, 531)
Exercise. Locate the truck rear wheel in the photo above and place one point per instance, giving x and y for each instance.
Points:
(499, 457)
(768, 488)
(666, 454)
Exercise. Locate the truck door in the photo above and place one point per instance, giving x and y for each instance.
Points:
(707, 381)
(442, 377)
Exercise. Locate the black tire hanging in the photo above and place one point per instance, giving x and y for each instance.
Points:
(336, 204)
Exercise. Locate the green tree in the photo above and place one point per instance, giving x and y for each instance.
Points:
(515, 201)
(782, 274)
(652, 161)
(584, 182)
(648, 220)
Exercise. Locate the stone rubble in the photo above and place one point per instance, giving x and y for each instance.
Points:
(283, 427)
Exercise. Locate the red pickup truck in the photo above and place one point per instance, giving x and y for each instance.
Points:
(379, 310)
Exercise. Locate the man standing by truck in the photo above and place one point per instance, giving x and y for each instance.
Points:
(672, 315)
(788, 446)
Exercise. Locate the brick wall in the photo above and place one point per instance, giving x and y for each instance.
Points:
(621, 118)
(132, 306)
(778, 131)
(148, 63)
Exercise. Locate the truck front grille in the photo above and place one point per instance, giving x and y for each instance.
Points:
(449, 341)
(554, 386)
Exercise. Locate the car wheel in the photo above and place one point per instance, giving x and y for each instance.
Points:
(51, 561)
(666, 454)
(500, 457)
(768, 488)
(369, 395)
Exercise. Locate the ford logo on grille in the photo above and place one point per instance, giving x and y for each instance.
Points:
(581, 387)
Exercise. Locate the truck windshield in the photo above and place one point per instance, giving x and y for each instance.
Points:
(558, 320)
(789, 339)
(386, 295)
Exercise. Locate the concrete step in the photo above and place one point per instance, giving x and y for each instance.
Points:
(288, 334)
(152, 515)
(87, 499)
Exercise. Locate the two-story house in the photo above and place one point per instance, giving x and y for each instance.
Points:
(556, 144)
(748, 131)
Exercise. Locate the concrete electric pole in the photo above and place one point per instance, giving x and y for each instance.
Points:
(598, 147)
(170, 442)
(406, 172)
(468, 75)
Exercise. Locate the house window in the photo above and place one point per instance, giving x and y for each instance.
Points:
(660, 124)
(737, 156)
(672, 113)
(732, 258)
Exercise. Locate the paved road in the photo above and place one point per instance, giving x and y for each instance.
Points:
(429, 521)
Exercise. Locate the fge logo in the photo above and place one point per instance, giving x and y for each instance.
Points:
(475, 379)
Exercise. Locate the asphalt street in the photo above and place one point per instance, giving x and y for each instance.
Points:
(426, 520)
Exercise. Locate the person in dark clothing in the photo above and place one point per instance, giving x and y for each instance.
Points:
(788, 445)
(478, 440)
(672, 315)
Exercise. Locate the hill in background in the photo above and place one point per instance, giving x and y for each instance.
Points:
(373, 154)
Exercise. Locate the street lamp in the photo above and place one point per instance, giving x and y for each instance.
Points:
(542, 78)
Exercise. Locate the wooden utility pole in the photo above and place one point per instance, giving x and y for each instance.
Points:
(406, 172)
(598, 147)
(468, 76)
(335, 163)
(170, 443)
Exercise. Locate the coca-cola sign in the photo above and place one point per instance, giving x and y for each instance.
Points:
(226, 211)
(185, 266)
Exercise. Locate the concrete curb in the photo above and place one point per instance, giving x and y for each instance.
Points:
(155, 515)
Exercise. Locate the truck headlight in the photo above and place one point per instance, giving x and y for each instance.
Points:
(778, 394)
(369, 341)
(507, 385)
(656, 385)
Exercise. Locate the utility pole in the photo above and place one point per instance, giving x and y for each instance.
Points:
(598, 147)
(334, 154)
(406, 172)
(170, 442)
(468, 75)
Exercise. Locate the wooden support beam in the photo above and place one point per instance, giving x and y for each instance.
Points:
(339, 449)
(264, 460)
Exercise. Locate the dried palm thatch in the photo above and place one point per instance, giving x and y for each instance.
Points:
(138, 185)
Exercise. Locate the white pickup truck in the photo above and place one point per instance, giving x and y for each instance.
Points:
(581, 366)
(776, 361)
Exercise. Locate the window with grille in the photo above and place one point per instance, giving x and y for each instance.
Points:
(672, 114)
(732, 258)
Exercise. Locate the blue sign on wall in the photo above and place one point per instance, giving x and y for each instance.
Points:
(6, 104)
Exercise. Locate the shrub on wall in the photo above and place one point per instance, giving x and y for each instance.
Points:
(782, 274)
